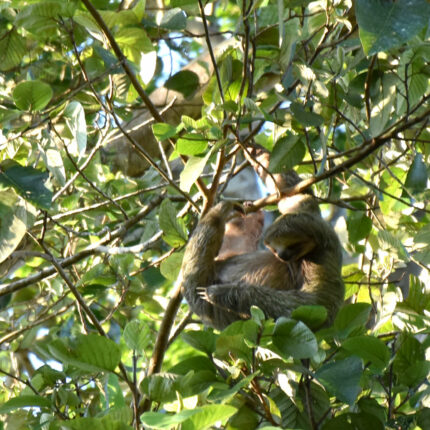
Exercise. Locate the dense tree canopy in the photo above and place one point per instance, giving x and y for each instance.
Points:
(121, 122)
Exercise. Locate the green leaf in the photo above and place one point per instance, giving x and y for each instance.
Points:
(342, 378)
(25, 402)
(387, 24)
(32, 96)
(160, 387)
(171, 266)
(390, 243)
(237, 340)
(295, 3)
(175, 233)
(12, 50)
(191, 144)
(207, 416)
(148, 66)
(312, 315)
(192, 171)
(163, 131)
(196, 364)
(174, 19)
(112, 421)
(16, 216)
(287, 152)
(40, 18)
(137, 335)
(197, 418)
(418, 299)
(409, 363)
(74, 116)
(350, 317)
(417, 177)
(200, 340)
(92, 353)
(358, 225)
(27, 182)
(53, 160)
(294, 339)
(161, 420)
(370, 349)
(133, 41)
(305, 117)
(185, 82)
(224, 394)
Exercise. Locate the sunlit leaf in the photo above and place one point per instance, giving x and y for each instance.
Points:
(75, 119)
(192, 171)
(163, 131)
(32, 95)
(191, 144)
(137, 335)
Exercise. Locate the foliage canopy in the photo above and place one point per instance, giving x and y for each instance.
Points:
(120, 121)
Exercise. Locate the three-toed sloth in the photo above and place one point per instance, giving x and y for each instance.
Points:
(301, 266)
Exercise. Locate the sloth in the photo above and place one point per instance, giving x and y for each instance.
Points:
(301, 266)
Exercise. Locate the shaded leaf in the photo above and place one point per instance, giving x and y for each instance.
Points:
(387, 24)
(174, 230)
(185, 82)
(27, 182)
(171, 266)
(342, 378)
(306, 117)
(359, 226)
(174, 19)
(160, 387)
(200, 340)
(294, 339)
(312, 315)
(16, 216)
(87, 352)
(287, 152)
(350, 317)
(12, 50)
(24, 402)
(417, 177)
(370, 349)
